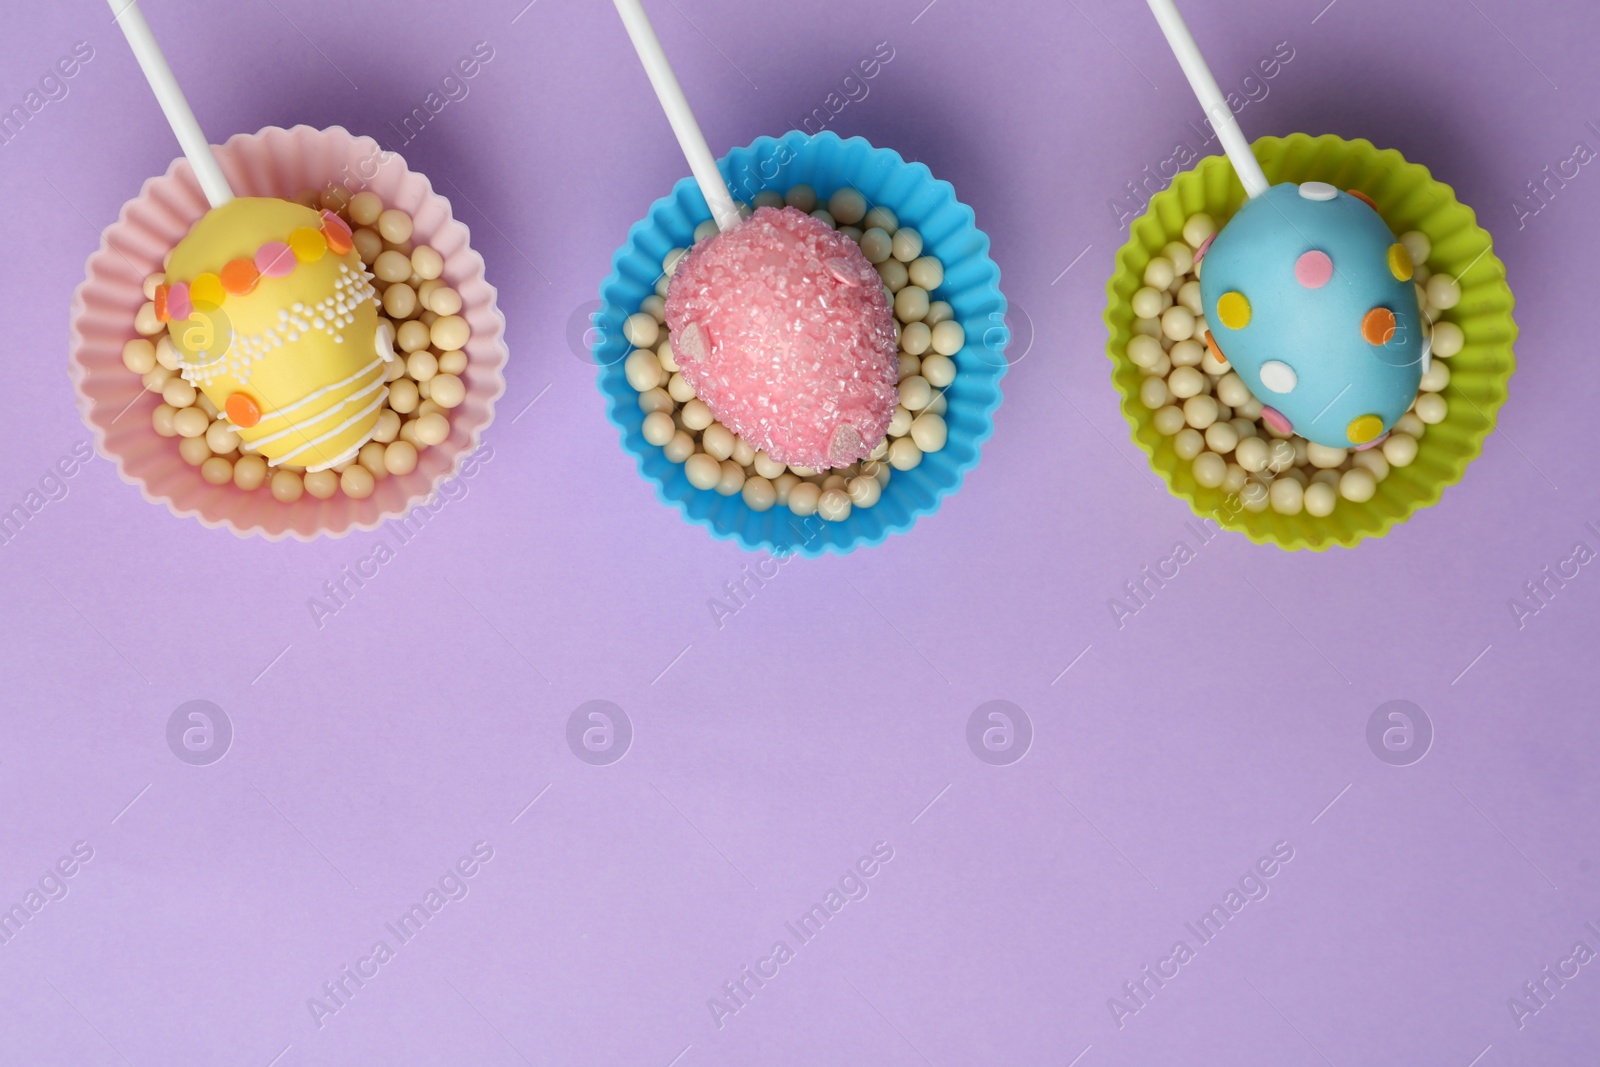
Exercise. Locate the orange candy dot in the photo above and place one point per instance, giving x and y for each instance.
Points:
(240, 276)
(337, 233)
(1378, 327)
(162, 314)
(206, 292)
(1363, 197)
(242, 410)
(1216, 352)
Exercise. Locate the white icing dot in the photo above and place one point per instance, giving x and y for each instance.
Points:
(1318, 191)
(1278, 376)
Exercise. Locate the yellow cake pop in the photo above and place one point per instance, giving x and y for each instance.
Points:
(274, 319)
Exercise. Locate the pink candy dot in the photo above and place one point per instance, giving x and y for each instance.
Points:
(275, 259)
(1314, 269)
(178, 306)
(1274, 418)
(1205, 246)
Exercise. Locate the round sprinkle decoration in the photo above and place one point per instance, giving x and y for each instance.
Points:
(1378, 327)
(274, 259)
(1279, 376)
(243, 410)
(1364, 428)
(178, 306)
(1274, 418)
(240, 276)
(1233, 309)
(206, 292)
(307, 244)
(1318, 191)
(1400, 264)
(337, 233)
(1314, 269)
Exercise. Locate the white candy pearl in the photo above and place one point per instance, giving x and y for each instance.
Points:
(1357, 485)
(904, 454)
(939, 370)
(1252, 453)
(759, 494)
(679, 448)
(1188, 443)
(1448, 339)
(1168, 420)
(948, 337)
(703, 471)
(1432, 408)
(659, 428)
(929, 432)
(642, 330)
(1444, 292)
(1185, 382)
(834, 505)
(717, 441)
(1177, 323)
(1200, 411)
(1286, 496)
(803, 498)
(1400, 449)
(1320, 499)
(907, 245)
(1437, 377)
(1198, 228)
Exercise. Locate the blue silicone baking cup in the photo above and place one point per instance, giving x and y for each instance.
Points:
(971, 285)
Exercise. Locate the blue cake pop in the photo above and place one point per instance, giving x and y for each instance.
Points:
(1308, 294)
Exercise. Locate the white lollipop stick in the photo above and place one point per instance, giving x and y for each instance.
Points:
(1211, 99)
(179, 115)
(676, 105)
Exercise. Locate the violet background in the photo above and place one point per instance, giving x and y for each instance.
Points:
(830, 712)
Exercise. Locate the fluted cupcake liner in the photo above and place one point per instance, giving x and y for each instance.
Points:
(971, 285)
(1409, 198)
(282, 163)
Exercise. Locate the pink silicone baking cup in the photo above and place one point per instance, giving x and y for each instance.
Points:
(271, 162)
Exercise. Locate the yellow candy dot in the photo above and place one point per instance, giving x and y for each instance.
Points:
(206, 292)
(1234, 311)
(307, 244)
(1364, 428)
(1400, 264)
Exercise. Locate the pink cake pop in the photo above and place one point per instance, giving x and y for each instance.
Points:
(783, 328)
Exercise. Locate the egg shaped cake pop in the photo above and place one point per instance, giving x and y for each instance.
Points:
(273, 318)
(1309, 296)
(785, 331)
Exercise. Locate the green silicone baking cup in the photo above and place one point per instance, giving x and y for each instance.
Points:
(1408, 198)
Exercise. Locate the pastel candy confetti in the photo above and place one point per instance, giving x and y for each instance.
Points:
(337, 233)
(308, 245)
(206, 292)
(783, 329)
(242, 410)
(178, 306)
(1314, 269)
(240, 276)
(275, 260)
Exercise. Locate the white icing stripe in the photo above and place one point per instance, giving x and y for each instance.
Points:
(326, 389)
(336, 431)
(349, 453)
(311, 420)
